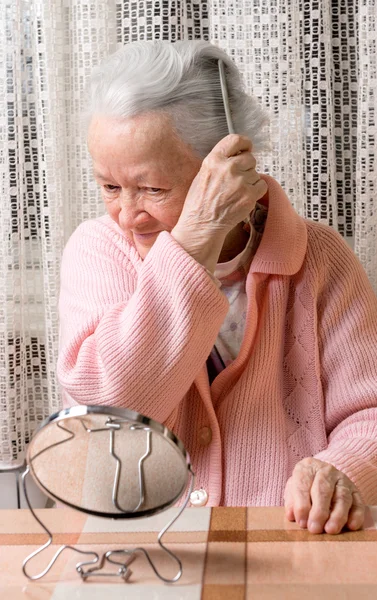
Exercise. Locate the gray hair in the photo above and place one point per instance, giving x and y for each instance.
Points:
(182, 80)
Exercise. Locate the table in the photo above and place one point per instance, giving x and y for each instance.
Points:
(227, 554)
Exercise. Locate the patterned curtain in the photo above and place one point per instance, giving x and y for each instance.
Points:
(311, 63)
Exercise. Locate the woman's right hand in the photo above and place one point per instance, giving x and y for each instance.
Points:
(223, 194)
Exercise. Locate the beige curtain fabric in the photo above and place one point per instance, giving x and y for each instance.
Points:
(311, 63)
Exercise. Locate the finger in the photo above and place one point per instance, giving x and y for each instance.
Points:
(232, 144)
(288, 501)
(260, 189)
(341, 505)
(322, 494)
(252, 177)
(356, 515)
(302, 479)
(242, 162)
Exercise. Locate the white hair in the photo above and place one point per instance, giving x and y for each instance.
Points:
(182, 80)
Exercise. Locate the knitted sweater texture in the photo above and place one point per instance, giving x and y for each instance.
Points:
(137, 334)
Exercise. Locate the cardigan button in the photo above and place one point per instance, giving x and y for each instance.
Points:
(205, 436)
(199, 497)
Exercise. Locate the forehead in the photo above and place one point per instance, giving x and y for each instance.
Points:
(147, 140)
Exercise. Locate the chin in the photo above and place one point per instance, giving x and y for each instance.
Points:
(143, 250)
(143, 246)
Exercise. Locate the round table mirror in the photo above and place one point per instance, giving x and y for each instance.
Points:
(108, 462)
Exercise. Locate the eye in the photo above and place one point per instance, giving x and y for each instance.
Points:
(153, 190)
(111, 188)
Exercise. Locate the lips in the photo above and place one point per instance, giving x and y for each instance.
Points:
(145, 236)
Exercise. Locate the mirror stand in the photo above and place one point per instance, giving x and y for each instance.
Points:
(98, 562)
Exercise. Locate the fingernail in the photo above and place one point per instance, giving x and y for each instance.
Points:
(303, 524)
(314, 527)
(354, 525)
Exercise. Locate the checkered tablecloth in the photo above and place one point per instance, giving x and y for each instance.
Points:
(227, 554)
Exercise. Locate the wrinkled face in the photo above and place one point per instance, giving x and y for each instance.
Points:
(144, 172)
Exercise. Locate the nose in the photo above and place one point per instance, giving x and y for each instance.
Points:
(132, 213)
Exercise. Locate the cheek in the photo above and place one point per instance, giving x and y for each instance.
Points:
(113, 210)
(170, 213)
(170, 219)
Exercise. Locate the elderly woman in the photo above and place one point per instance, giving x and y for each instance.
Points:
(202, 300)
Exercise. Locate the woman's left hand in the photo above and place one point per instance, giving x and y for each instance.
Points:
(323, 499)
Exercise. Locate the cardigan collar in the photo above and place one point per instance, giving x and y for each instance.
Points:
(283, 245)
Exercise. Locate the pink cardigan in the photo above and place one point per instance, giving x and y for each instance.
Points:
(137, 334)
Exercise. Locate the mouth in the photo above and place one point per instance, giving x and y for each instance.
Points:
(145, 236)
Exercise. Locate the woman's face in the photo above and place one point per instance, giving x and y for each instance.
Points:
(144, 172)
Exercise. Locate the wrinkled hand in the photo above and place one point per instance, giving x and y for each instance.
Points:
(321, 498)
(225, 189)
(221, 196)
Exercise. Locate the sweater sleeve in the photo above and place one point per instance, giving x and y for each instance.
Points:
(133, 333)
(347, 329)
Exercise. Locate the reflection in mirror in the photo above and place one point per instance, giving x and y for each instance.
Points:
(108, 464)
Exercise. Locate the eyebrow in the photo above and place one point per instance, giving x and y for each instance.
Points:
(99, 176)
(139, 178)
